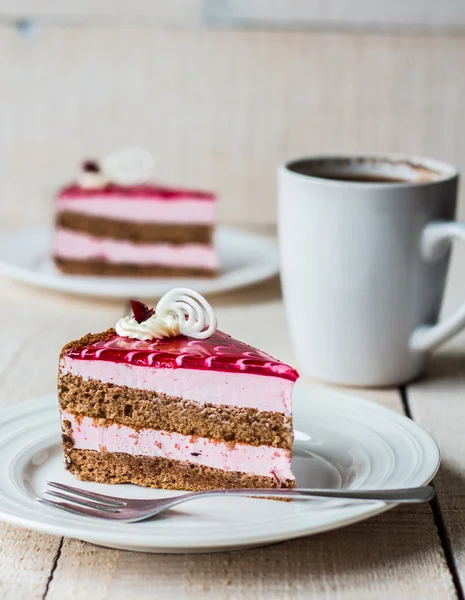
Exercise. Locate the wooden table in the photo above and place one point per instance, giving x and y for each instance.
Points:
(409, 552)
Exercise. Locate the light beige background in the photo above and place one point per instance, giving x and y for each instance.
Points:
(220, 104)
(221, 91)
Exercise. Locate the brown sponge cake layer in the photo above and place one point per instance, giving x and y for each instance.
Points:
(106, 467)
(102, 268)
(135, 232)
(143, 409)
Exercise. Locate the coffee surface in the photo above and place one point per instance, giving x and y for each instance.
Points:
(359, 177)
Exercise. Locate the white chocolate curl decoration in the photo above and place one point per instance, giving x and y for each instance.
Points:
(179, 312)
(195, 316)
(131, 166)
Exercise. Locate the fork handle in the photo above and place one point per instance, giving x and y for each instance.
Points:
(397, 496)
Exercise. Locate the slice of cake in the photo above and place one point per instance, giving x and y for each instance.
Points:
(113, 221)
(168, 401)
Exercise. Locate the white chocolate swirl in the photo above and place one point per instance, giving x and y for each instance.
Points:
(195, 316)
(131, 166)
(179, 312)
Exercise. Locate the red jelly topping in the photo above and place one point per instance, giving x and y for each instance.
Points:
(220, 352)
(142, 192)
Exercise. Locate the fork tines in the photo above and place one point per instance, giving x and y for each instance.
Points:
(82, 501)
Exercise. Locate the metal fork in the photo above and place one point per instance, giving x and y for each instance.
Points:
(129, 510)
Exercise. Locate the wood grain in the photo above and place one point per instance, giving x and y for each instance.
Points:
(35, 327)
(437, 402)
(26, 560)
(255, 13)
(395, 555)
(219, 109)
(363, 13)
(86, 11)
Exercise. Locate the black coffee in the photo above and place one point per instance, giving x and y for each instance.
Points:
(358, 177)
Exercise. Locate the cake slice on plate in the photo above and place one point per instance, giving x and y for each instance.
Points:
(114, 221)
(168, 401)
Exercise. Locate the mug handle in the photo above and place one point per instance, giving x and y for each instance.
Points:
(435, 241)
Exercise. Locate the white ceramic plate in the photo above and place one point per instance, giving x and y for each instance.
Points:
(341, 442)
(245, 258)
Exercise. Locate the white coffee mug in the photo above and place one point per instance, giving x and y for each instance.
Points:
(364, 244)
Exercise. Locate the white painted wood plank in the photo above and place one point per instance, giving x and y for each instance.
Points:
(35, 326)
(397, 555)
(315, 13)
(253, 13)
(219, 110)
(437, 401)
(167, 12)
(26, 560)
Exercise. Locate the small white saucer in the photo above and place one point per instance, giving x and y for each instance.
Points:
(341, 442)
(245, 258)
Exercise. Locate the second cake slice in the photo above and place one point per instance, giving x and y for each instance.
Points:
(107, 225)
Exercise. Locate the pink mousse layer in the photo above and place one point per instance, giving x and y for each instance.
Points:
(243, 390)
(256, 460)
(81, 246)
(137, 210)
